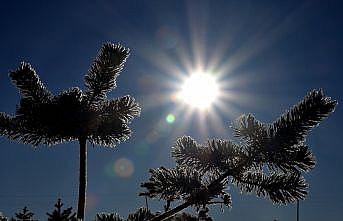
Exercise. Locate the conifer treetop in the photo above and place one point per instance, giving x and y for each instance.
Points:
(44, 118)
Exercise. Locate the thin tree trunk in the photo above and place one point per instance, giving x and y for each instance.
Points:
(82, 179)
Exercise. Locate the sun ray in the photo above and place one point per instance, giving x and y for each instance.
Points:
(217, 124)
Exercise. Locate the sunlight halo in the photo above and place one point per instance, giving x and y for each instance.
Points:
(199, 90)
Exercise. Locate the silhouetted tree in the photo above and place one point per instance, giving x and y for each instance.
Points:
(142, 214)
(3, 217)
(42, 118)
(61, 215)
(108, 217)
(268, 160)
(24, 215)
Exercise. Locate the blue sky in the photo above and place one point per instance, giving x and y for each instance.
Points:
(269, 53)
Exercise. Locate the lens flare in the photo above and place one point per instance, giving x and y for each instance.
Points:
(170, 118)
(92, 200)
(124, 168)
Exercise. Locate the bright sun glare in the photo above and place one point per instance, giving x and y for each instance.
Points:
(200, 90)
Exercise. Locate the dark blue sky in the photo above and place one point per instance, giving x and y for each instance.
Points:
(272, 54)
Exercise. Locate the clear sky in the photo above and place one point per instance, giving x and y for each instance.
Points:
(269, 55)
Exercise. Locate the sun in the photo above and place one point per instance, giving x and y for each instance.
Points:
(200, 90)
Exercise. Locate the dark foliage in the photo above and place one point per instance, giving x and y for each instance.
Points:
(108, 217)
(104, 71)
(3, 217)
(269, 160)
(213, 156)
(61, 215)
(171, 183)
(183, 217)
(142, 214)
(42, 118)
(24, 215)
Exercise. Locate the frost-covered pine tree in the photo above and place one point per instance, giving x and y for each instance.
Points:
(44, 118)
(269, 160)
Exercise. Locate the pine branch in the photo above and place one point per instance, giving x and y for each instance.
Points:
(6, 125)
(217, 156)
(110, 132)
(281, 144)
(249, 129)
(223, 155)
(113, 118)
(186, 151)
(298, 157)
(167, 184)
(292, 127)
(26, 134)
(285, 148)
(280, 188)
(124, 108)
(101, 77)
(46, 122)
(171, 184)
(29, 84)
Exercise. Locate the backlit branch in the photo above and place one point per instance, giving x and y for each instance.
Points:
(101, 77)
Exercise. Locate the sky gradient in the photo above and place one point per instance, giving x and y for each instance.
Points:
(269, 55)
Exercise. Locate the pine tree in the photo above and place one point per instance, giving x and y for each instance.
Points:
(44, 118)
(61, 215)
(25, 215)
(108, 217)
(269, 160)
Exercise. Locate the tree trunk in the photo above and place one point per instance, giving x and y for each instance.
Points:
(82, 179)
